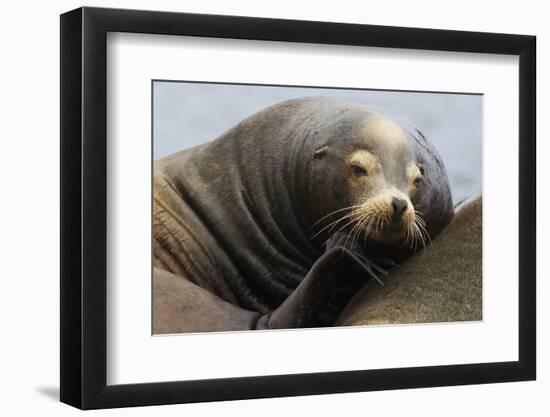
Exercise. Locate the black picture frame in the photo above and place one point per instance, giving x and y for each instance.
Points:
(84, 207)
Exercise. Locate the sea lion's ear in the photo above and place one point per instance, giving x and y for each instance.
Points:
(421, 169)
(319, 153)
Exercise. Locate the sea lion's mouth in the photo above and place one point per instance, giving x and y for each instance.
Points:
(388, 229)
(395, 226)
(388, 232)
(375, 221)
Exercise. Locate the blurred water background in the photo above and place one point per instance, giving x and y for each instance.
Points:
(188, 114)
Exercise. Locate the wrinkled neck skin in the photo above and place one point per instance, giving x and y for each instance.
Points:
(249, 190)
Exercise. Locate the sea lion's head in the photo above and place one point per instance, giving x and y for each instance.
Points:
(377, 179)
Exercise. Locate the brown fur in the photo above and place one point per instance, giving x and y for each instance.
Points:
(442, 285)
(181, 306)
(238, 217)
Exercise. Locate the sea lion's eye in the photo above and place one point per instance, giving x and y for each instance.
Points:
(421, 170)
(358, 171)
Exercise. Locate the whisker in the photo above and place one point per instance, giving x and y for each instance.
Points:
(422, 225)
(333, 224)
(425, 234)
(368, 225)
(361, 225)
(342, 227)
(373, 222)
(353, 232)
(355, 216)
(334, 212)
(365, 216)
(418, 237)
(358, 217)
(408, 233)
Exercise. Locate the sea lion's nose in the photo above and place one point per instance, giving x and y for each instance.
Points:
(399, 207)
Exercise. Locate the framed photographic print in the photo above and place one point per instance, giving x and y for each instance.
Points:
(258, 207)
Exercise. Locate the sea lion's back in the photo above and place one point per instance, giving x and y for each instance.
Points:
(182, 243)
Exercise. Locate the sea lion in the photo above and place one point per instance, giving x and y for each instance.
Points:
(442, 286)
(287, 214)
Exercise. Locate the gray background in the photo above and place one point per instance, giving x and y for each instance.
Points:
(188, 114)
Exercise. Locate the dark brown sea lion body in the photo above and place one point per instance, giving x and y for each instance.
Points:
(235, 217)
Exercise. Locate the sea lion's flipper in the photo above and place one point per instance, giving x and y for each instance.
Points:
(179, 306)
(374, 263)
(338, 273)
(378, 261)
